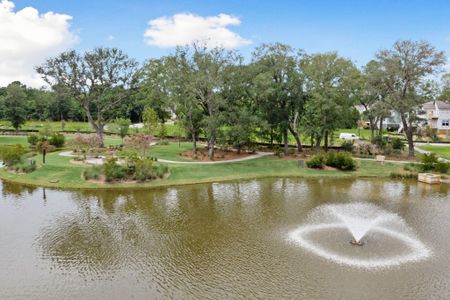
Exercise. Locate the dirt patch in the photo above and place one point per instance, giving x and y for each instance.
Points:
(219, 155)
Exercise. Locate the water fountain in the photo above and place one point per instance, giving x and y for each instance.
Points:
(391, 240)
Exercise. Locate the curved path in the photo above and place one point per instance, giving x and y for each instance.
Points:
(257, 155)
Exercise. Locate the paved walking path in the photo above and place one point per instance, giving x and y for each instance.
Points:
(98, 160)
(257, 155)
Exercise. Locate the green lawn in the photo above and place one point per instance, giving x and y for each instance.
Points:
(12, 140)
(442, 151)
(170, 128)
(69, 175)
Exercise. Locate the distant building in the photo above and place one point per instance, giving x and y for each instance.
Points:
(438, 116)
(391, 123)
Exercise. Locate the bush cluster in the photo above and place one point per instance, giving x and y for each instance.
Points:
(57, 140)
(136, 168)
(11, 155)
(15, 158)
(347, 146)
(339, 160)
(25, 166)
(430, 162)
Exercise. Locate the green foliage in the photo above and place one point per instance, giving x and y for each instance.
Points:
(33, 139)
(347, 146)
(317, 162)
(430, 162)
(160, 171)
(15, 104)
(11, 155)
(122, 125)
(114, 171)
(162, 131)
(441, 167)
(93, 172)
(150, 120)
(25, 166)
(339, 160)
(143, 170)
(46, 131)
(398, 144)
(57, 140)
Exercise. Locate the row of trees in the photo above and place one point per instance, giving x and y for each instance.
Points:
(282, 91)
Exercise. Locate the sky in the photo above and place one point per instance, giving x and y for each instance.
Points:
(33, 30)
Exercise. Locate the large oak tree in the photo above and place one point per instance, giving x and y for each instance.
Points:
(99, 80)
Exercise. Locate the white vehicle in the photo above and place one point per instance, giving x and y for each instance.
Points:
(348, 136)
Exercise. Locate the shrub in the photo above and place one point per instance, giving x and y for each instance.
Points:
(380, 141)
(347, 146)
(85, 142)
(57, 140)
(365, 149)
(33, 139)
(317, 162)
(161, 170)
(398, 144)
(11, 155)
(27, 166)
(342, 161)
(114, 171)
(441, 167)
(428, 161)
(140, 142)
(92, 173)
(388, 149)
(143, 170)
(44, 144)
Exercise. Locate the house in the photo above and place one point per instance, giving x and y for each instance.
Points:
(390, 123)
(438, 116)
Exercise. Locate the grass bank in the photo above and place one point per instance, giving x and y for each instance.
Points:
(58, 172)
(442, 151)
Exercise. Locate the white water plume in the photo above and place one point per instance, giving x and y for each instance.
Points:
(360, 220)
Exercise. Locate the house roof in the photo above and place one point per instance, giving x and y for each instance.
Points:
(441, 105)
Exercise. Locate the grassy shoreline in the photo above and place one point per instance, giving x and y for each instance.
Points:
(69, 175)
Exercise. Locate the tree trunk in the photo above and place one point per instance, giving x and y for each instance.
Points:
(211, 149)
(326, 141)
(319, 140)
(194, 145)
(99, 131)
(372, 130)
(409, 136)
(297, 139)
(380, 130)
(271, 138)
(286, 141)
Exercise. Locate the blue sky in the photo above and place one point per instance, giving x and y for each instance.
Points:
(356, 29)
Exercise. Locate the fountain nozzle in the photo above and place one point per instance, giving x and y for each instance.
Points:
(356, 243)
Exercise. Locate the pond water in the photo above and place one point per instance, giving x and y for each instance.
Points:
(219, 241)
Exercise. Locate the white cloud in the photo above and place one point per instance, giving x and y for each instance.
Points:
(110, 38)
(185, 28)
(27, 38)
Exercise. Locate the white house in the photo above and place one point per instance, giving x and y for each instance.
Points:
(438, 116)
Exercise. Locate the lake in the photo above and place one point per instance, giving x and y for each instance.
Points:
(212, 241)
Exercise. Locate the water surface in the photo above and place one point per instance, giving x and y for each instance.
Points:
(219, 241)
